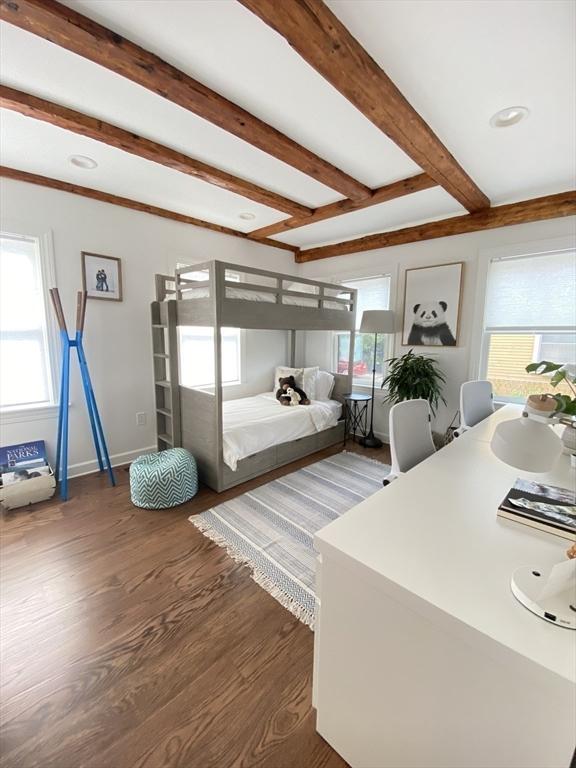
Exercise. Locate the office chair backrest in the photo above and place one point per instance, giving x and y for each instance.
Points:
(476, 402)
(410, 434)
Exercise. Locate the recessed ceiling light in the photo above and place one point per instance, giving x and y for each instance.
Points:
(81, 161)
(247, 216)
(508, 116)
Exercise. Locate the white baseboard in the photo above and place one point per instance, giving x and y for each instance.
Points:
(117, 459)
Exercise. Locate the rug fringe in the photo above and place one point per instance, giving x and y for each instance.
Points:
(262, 579)
(365, 458)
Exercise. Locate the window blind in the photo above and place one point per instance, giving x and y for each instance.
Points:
(532, 292)
(24, 361)
(373, 293)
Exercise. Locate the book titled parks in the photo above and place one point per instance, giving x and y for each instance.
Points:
(22, 456)
(546, 507)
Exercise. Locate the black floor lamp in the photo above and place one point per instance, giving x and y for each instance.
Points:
(375, 321)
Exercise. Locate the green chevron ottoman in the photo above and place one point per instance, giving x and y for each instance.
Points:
(163, 480)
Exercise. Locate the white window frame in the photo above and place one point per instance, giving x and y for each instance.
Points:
(241, 364)
(45, 245)
(237, 277)
(479, 347)
(390, 342)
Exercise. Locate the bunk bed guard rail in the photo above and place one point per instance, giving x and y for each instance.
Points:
(234, 290)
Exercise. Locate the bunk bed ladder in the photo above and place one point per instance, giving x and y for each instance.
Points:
(166, 388)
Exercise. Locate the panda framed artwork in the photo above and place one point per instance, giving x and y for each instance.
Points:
(432, 297)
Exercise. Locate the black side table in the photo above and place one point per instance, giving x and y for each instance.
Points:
(355, 414)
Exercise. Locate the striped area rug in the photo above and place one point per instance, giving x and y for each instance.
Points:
(271, 528)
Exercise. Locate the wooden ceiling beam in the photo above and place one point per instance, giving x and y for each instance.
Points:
(381, 195)
(93, 128)
(538, 209)
(311, 28)
(135, 205)
(71, 30)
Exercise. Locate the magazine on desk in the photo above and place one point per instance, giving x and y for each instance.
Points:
(545, 507)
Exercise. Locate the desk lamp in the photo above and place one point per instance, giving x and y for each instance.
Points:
(528, 443)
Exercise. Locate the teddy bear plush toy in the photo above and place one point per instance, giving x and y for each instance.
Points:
(282, 395)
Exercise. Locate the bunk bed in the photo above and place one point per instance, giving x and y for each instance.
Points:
(225, 435)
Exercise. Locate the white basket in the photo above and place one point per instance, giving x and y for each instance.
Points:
(27, 492)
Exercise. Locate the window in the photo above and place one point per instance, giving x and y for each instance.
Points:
(25, 365)
(197, 356)
(196, 347)
(373, 293)
(530, 315)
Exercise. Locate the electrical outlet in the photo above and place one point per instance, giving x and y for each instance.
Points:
(141, 419)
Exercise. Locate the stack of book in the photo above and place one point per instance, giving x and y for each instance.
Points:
(25, 475)
(545, 507)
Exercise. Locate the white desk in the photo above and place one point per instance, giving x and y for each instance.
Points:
(423, 657)
(485, 429)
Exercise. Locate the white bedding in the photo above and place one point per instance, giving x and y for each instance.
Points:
(252, 424)
(243, 293)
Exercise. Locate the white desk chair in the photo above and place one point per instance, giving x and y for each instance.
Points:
(410, 436)
(476, 404)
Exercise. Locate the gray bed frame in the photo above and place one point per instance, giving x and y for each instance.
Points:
(192, 418)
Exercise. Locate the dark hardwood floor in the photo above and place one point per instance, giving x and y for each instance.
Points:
(129, 640)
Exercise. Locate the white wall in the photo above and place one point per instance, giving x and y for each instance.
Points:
(262, 352)
(118, 336)
(118, 343)
(457, 363)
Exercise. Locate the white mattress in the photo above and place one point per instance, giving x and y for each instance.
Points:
(252, 424)
(247, 295)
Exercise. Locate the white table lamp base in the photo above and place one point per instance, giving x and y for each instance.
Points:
(548, 592)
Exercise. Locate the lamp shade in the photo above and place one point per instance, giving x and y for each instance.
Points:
(377, 321)
(526, 444)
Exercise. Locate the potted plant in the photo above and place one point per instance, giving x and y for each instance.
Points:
(414, 376)
(558, 373)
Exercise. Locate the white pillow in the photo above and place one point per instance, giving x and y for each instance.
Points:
(324, 385)
(305, 378)
(283, 370)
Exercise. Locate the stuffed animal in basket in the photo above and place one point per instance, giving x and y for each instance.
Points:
(283, 396)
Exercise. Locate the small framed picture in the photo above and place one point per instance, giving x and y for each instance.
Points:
(102, 276)
(432, 297)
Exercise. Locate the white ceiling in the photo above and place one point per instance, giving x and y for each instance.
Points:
(31, 64)
(456, 62)
(229, 49)
(422, 206)
(460, 62)
(42, 148)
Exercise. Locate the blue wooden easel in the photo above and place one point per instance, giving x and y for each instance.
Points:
(61, 468)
